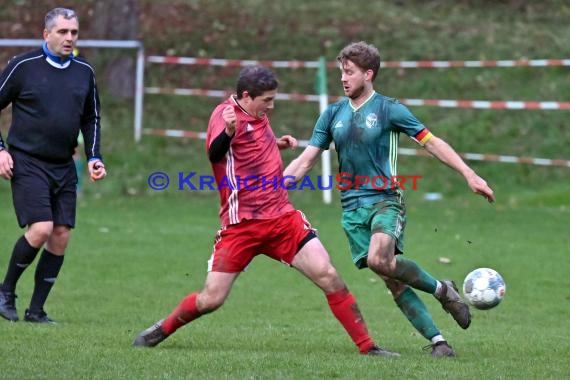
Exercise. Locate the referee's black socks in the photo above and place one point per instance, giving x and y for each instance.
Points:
(22, 256)
(46, 274)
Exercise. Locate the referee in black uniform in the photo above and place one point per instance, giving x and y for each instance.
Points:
(54, 97)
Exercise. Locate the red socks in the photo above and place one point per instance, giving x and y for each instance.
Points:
(184, 313)
(343, 306)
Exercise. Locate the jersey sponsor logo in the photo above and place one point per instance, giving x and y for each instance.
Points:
(338, 124)
(249, 128)
(371, 120)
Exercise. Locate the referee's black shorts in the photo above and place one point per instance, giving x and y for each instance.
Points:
(43, 191)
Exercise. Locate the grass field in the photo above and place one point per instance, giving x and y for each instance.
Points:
(132, 259)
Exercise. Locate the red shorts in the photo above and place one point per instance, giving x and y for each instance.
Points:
(280, 239)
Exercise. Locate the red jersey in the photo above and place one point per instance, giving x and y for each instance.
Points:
(249, 177)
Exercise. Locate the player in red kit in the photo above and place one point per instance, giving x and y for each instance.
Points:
(249, 169)
(256, 215)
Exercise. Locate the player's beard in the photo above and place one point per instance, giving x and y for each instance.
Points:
(356, 93)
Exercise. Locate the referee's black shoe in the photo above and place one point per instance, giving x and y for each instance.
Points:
(8, 306)
(38, 317)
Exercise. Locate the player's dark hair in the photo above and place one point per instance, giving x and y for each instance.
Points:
(255, 80)
(363, 55)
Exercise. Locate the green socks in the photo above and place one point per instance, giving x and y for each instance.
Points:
(416, 312)
(408, 272)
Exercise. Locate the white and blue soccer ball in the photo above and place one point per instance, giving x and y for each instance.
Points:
(484, 288)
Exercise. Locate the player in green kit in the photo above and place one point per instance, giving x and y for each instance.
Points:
(365, 127)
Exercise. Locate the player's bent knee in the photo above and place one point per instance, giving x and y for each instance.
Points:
(208, 303)
(39, 233)
(330, 280)
(379, 266)
(61, 234)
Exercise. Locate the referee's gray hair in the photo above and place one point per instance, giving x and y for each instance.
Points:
(67, 14)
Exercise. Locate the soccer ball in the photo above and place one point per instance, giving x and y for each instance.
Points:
(484, 288)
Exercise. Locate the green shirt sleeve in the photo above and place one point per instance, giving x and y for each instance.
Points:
(404, 120)
(322, 136)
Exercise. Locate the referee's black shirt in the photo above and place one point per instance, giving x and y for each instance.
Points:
(51, 103)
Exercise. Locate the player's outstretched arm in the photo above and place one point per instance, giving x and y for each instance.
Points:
(446, 154)
(302, 164)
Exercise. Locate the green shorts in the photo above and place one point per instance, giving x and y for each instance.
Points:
(388, 216)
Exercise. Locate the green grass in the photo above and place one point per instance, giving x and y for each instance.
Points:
(132, 259)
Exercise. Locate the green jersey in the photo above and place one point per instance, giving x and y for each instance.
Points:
(366, 141)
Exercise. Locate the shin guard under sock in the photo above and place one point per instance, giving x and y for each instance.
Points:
(185, 312)
(47, 271)
(409, 272)
(23, 255)
(415, 310)
(344, 307)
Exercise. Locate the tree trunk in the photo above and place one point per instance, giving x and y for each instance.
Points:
(117, 20)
